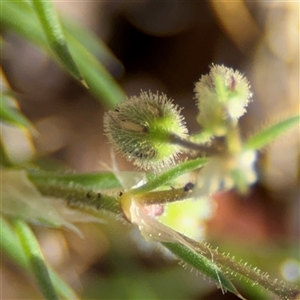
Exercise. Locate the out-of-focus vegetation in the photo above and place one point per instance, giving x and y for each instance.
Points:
(162, 46)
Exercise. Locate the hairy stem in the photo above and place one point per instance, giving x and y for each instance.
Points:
(75, 194)
(228, 264)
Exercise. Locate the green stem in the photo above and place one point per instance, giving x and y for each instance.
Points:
(76, 195)
(81, 197)
(199, 148)
(201, 263)
(233, 139)
(230, 265)
(164, 197)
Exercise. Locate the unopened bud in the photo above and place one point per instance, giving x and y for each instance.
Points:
(222, 97)
(142, 129)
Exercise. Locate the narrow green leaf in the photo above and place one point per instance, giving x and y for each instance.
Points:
(55, 36)
(20, 18)
(10, 114)
(34, 255)
(11, 246)
(203, 265)
(171, 174)
(100, 82)
(268, 135)
(92, 181)
(9, 108)
(94, 45)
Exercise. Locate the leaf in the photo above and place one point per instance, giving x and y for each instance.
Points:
(198, 254)
(35, 258)
(21, 199)
(171, 174)
(55, 36)
(91, 181)
(9, 108)
(16, 145)
(94, 45)
(269, 134)
(20, 18)
(11, 246)
(202, 264)
(10, 243)
(153, 230)
(99, 81)
(10, 113)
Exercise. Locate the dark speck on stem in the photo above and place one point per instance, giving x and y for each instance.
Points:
(188, 187)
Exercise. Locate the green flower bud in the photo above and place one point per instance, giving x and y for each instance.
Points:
(222, 97)
(143, 128)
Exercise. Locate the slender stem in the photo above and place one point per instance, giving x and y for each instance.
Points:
(204, 265)
(228, 264)
(233, 139)
(163, 197)
(204, 150)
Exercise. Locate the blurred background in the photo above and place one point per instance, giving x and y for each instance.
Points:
(165, 46)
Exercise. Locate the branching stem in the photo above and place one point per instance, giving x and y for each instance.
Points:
(199, 148)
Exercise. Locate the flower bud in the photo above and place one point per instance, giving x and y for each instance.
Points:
(142, 129)
(222, 97)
